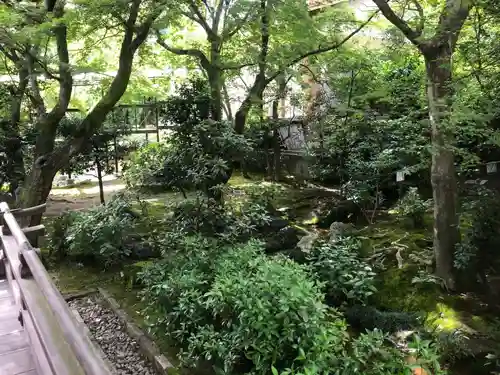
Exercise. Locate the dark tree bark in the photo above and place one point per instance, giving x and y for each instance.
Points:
(49, 159)
(99, 178)
(12, 146)
(276, 168)
(38, 184)
(437, 52)
(262, 80)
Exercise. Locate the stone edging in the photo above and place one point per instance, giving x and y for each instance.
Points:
(147, 347)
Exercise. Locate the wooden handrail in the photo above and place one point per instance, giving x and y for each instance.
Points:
(79, 343)
(25, 212)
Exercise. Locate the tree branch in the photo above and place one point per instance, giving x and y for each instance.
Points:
(412, 35)
(451, 20)
(314, 76)
(218, 14)
(229, 33)
(323, 49)
(11, 55)
(421, 24)
(197, 16)
(236, 67)
(35, 97)
(183, 52)
(143, 30)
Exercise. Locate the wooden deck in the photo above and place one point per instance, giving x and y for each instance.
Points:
(15, 352)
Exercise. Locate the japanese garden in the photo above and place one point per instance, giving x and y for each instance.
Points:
(282, 187)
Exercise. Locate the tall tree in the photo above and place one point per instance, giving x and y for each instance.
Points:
(264, 37)
(220, 20)
(437, 50)
(269, 70)
(135, 18)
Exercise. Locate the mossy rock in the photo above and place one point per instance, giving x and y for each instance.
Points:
(369, 318)
(397, 292)
(130, 273)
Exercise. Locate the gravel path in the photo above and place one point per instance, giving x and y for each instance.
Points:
(107, 330)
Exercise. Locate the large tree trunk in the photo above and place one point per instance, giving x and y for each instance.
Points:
(437, 51)
(48, 159)
(13, 144)
(443, 174)
(215, 81)
(99, 178)
(254, 96)
(37, 187)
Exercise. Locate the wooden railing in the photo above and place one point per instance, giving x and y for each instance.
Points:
(59, 343)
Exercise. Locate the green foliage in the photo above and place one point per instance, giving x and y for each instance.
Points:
(398, 292)
(412, 207)
(57, 241)
(98, 237)
(477, 254)
(369, 318)
(365, 153)
(239, 310)
(188, 107)
(345, 274)
(145, 168)
(201, 156)
(368, 354)
(97, 149)
(199, 152)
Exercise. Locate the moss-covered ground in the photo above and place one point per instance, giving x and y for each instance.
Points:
(401, 254)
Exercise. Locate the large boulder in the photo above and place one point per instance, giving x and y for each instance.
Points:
(345, 211)
(338, 230)
(306, 243)
(284, 239)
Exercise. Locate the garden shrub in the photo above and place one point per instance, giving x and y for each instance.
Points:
(57, 242)
(238, 311)
(99, 236)
(243, 311)
(369, 354)
(480, 224)
(412, 207)
(145, 168)
(175, 286)
(339, 265)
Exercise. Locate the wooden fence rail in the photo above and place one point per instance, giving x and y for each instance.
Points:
(58, 341)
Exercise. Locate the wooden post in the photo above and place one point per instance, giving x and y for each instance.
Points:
(157, 122)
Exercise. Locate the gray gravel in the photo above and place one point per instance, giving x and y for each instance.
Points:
(107, 330)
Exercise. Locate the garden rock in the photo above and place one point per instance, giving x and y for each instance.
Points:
(345, 212)
(283, 239)
(142, 251)
(338, 230)
(306, 243)
(276, 224)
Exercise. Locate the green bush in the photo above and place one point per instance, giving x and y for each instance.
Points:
(477, 253)
(412, 207)
(233, 309)
(57, 242)
(175, 286)
(340, 267)
(242, 311)
(145, 168)
(98, 236)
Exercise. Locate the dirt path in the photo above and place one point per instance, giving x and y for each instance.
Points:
(79, 197)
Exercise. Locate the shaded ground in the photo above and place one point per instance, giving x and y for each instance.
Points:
(80, 197)
(398, 290)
